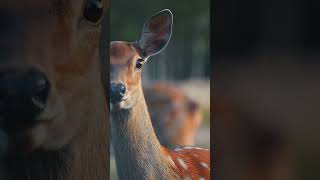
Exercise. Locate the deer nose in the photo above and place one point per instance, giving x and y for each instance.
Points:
(117, 92)
(23, 96)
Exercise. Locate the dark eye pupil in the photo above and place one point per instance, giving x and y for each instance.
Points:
(139, 63)
(93, 10)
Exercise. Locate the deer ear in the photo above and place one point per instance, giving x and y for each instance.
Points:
(156, 33)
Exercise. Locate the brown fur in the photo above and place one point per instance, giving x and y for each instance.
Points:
(133, 136)
(134, 141)
(52, 37)
(175, 117)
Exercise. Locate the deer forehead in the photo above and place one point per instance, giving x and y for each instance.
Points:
(122, 53)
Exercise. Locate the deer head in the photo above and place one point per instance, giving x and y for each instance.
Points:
(127, 59)
(51, 92)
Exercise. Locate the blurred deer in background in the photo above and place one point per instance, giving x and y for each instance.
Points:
(53, 108)
(175, 117)
(133, 135)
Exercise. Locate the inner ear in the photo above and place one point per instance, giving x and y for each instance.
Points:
(156, 33)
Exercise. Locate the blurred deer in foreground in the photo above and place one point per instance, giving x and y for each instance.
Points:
(53, 108)
(133, 136)
(175, 117)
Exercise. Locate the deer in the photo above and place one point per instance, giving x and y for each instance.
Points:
(53, 105)
(174, 115)
(138, 152)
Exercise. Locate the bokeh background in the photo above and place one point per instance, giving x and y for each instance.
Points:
(186, 60)
(266, 89)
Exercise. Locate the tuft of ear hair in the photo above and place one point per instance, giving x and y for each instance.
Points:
(156, 33)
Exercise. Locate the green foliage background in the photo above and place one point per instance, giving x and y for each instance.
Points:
(187, 55)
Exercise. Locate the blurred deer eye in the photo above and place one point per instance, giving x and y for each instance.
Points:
(93, 10)
(139, 63)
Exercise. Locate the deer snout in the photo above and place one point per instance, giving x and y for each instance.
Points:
(117, 92)
(23, 95)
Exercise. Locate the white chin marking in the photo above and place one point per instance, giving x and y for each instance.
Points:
(122, 105)
(119, 106)
(126, 104)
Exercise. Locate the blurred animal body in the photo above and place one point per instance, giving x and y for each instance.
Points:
(175, 117)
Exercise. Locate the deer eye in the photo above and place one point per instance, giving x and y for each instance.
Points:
(139, 63)
(93, 10)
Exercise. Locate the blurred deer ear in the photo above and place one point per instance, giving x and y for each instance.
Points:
(156, 33)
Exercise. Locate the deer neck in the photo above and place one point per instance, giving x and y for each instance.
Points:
(77, 161)
(90, 150)
(138, 152)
